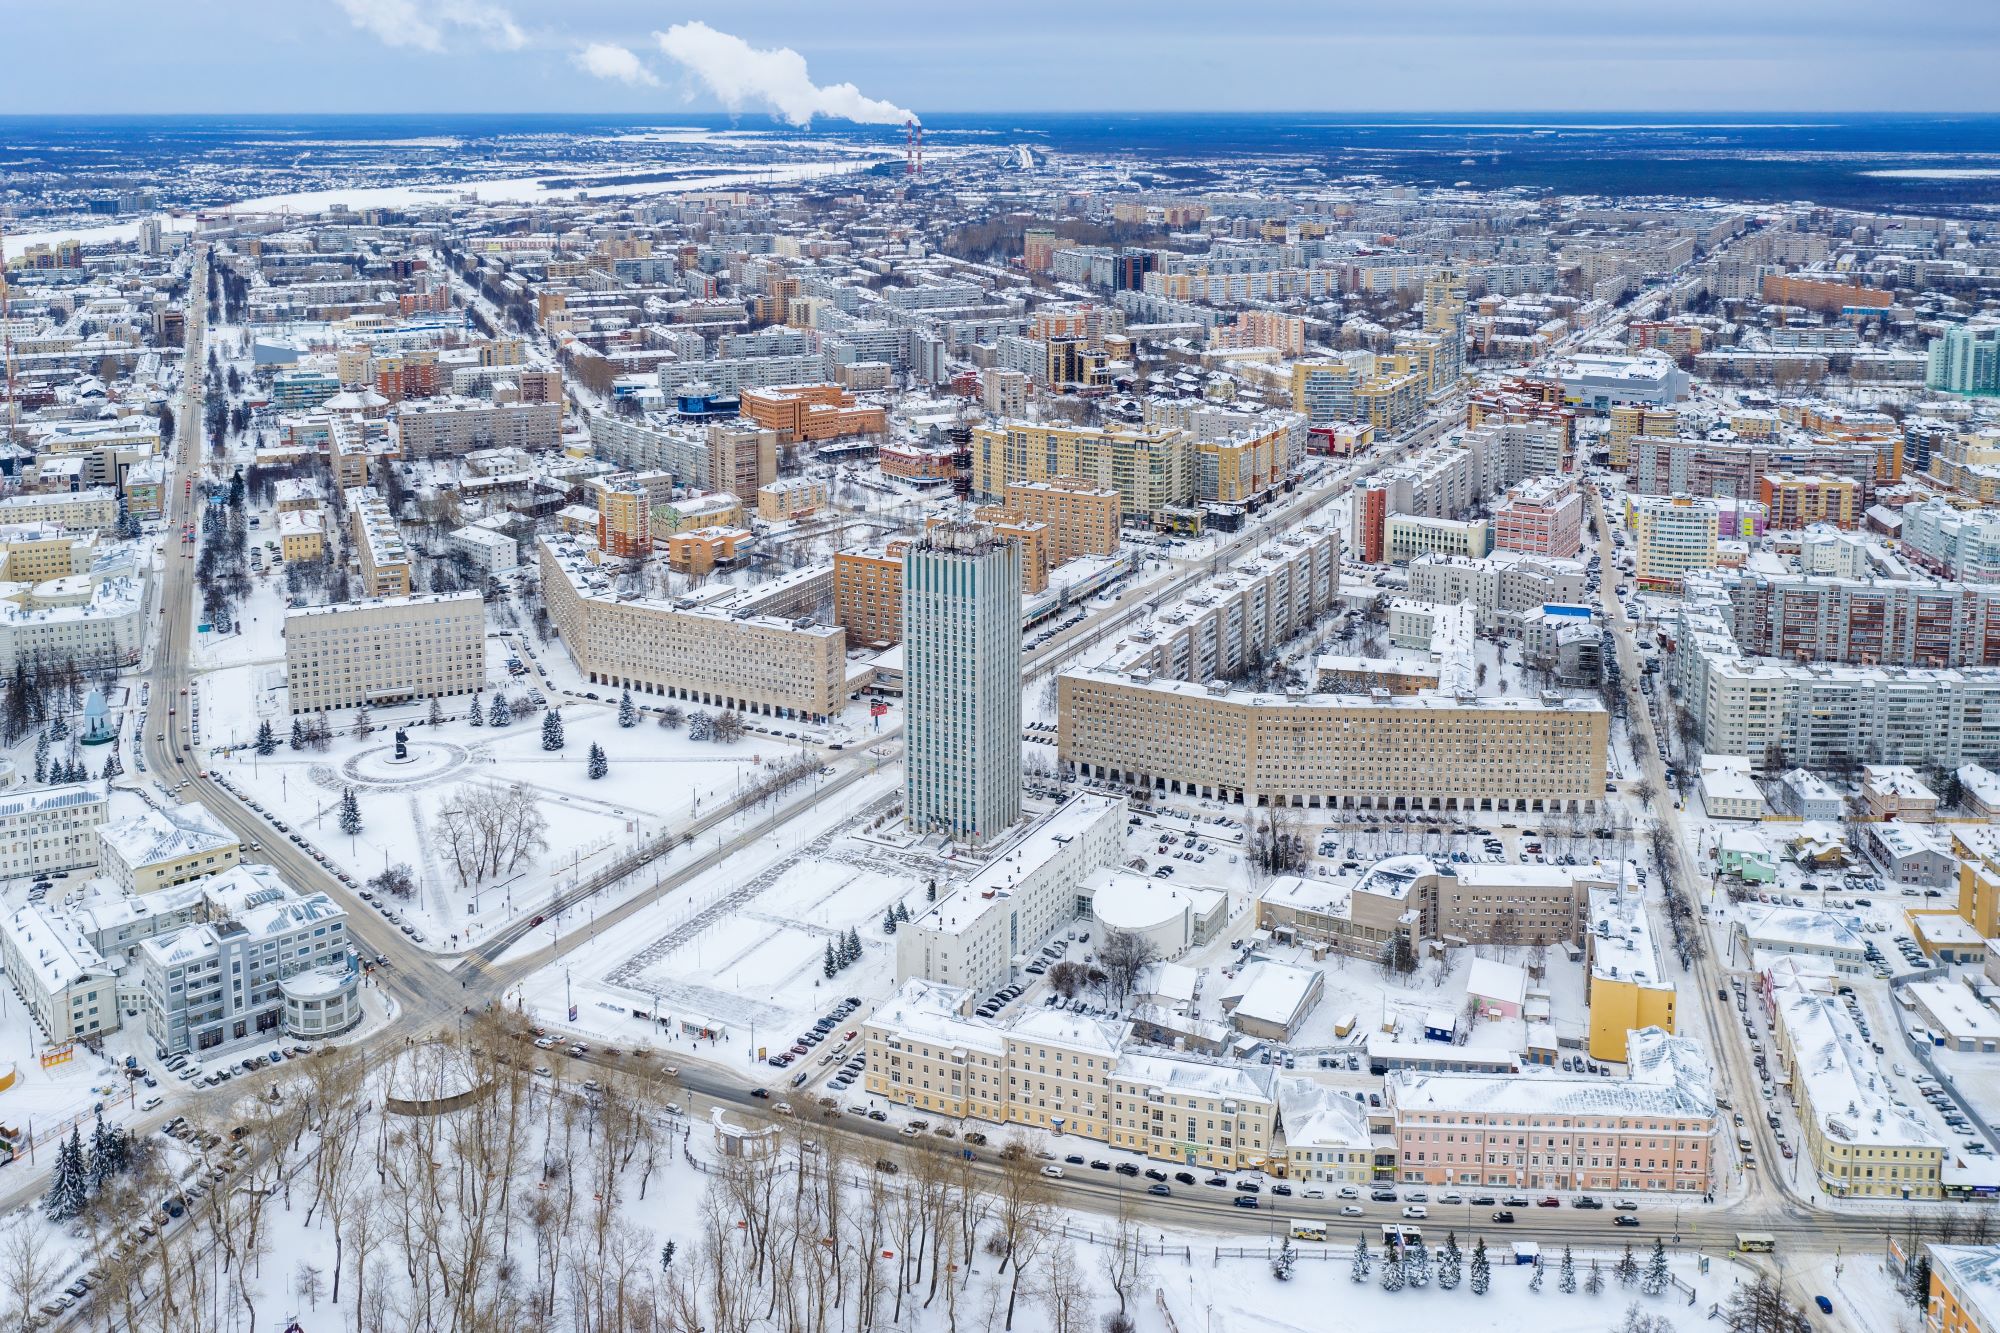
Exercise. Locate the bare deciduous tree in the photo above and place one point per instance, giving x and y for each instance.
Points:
(1123, 956)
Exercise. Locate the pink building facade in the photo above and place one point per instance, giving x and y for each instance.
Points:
(1647, 1133)
(1542, 517)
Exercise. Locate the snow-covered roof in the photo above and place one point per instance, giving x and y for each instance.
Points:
(1392, 877)
(50, 947)
(992, 884)
(1972, 1274)
(1656, 1056)
(1193, 1077)
(1898, 780)
(1621, 940)
(1730, 784)
(1271, 992)
(257, 894)
(1980, 783)
(1122, 900)
(1666, 1076)
(1316, 1116)
(111, 908)
(1809, 786)
(47, 799)
(1166, 981)
(1064, 1028)
(1954, 1008)
(1791, 927)
(1323, 897)
(929, 1011)
(1945, 928)
(1528, 874)
(152, 836)
(1843, 1082)
(1899, 839)
(1491, 979)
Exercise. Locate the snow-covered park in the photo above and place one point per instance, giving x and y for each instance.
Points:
(654, 777)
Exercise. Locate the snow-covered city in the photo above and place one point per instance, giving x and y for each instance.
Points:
(787, 715)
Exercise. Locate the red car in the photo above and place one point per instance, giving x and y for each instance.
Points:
(1549, 1201)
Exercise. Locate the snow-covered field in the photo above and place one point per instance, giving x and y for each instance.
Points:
(527, 189)
(741, 947)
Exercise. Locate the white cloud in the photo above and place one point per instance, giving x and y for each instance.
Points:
(432, 26)
(605, 60)
(491, 21)
(738, 74)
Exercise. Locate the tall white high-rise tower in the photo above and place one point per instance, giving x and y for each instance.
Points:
(962, 681)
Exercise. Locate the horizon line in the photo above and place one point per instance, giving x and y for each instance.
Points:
(1087, 111)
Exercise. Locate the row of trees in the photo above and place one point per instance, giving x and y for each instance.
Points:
(723, 728)
(222, 566)
(527, 1210)
(502, 712)
(314, 733)
(843, 955)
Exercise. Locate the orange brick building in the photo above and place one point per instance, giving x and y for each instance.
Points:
(1795, 499)
(1082, 519)
(868, 595)
(625, 521)
(916, 462)
(803, 412)
(407, 375)
(1827, 297)
(699, 550)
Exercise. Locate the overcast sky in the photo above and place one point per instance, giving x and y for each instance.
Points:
(81, 56)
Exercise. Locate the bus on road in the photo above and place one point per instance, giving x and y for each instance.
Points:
(1395, 1234)
(1308, 1229)
(1756, 1242)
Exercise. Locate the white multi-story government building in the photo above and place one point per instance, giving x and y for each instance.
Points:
(385, 650)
